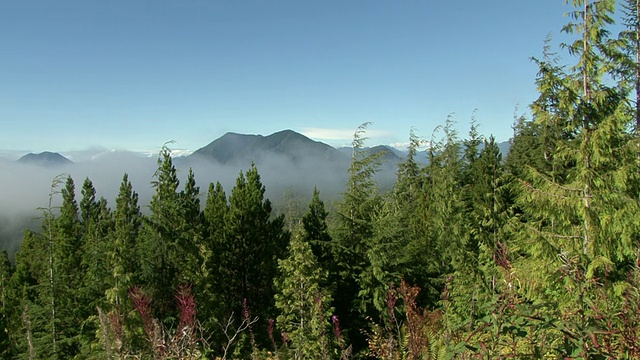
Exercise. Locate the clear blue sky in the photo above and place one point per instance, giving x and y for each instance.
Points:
(134, 74)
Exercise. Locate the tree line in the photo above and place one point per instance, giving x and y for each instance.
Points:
(472, 255)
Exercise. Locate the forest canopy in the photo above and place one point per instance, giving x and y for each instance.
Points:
(470, 255)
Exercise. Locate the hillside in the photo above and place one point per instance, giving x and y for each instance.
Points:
(47, 159)
(233, 148)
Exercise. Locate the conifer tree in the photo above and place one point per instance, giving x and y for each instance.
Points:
(404, 217)
(121, 255)
(409, 183)
(316, 233)
(210, 296)
(35, 282)
(121, 263)
(96, 228)
(577, 228)
(594, 187)
(486, 211)
(353, 236)
(191, 238)
(442, 197)
(68, 255)
(253, 242)
(38, 277)
(159, 248)
(7, 304)
(305, 307)
(95, 231)
(47, 273)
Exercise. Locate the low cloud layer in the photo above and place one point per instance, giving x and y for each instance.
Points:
(342, 134)
(25, 188)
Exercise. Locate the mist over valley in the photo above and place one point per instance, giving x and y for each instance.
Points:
(289, 163)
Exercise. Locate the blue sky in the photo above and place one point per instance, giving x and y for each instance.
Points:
(136, 74)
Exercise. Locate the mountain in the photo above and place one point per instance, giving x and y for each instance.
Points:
(288, 144)
(45, 159)
(387, 154)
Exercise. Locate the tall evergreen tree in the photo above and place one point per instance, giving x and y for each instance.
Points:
(121, 254)
(353, 236)
(487, 205)
(7, 303)
(191, 233)
(305, 307)
(316, 233)
(68, 255)
(212, 284)
(96, 228)
(253, 242)
(404, 217)
(159, 248)
(577, 222)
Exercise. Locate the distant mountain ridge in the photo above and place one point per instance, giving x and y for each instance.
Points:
(233, 147)
(45, 159)
(242, 149)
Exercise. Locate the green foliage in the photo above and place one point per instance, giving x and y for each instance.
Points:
(304, 305)
(316, 231)
(170, 242)
(120, 252)
(159, 246)
(353, 238)
(209, 295)
(253, 243)
(532, 257)
(6, 303)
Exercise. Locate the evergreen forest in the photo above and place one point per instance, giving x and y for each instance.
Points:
(472, 255)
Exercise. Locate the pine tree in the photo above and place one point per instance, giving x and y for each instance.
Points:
(35, 281)
(40, 294)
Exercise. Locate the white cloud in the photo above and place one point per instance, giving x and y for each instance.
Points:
(342, 134)
(424, 145)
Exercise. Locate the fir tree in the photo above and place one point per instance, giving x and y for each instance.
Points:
(7, 305)
(190, 230)
(304, 305)
(316, 233)
(96, 228)
(353, 237)
(212, 281)
(159, 248)
(253, 242)
(68, 255)
(121, 256)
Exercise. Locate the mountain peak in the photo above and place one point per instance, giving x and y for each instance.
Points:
(46, 158)
(253, 148)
